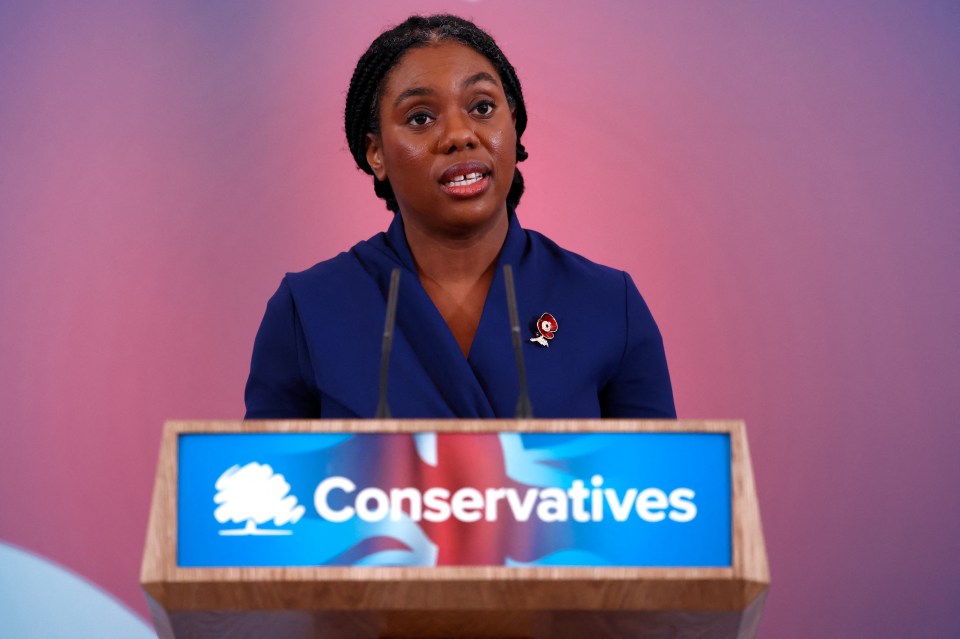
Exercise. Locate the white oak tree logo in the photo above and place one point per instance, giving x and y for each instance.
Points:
(253, 494)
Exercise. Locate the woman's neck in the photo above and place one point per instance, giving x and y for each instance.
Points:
(456, 272)
(453, 259)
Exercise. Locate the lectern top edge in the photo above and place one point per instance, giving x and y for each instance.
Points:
(458, 425)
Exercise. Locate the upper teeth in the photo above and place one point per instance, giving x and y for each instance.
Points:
(464, 180)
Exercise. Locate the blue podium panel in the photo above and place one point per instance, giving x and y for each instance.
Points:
(651, 499)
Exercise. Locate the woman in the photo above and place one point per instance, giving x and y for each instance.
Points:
(435, 113)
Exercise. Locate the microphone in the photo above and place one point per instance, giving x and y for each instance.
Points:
(383, 408)
(524, 408)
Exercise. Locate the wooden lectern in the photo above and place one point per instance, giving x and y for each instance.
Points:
(362, 602)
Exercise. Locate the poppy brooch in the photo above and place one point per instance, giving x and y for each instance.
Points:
(546, 327)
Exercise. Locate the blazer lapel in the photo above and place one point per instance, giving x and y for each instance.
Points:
(491, 355)
(424, 347)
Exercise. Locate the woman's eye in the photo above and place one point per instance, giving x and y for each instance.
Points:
(484, 108)
(420, 119)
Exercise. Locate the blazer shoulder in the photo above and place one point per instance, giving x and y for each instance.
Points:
(573, 265)
(332, 268)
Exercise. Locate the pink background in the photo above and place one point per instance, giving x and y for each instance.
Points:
(781, 179)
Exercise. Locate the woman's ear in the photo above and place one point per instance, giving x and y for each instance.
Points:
(375, 156)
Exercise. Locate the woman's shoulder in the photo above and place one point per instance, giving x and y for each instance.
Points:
(343, 271)
(572, 265)
(323, 271)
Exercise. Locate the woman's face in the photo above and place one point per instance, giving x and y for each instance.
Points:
(447, 142)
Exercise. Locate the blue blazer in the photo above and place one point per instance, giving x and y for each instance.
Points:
(317, 352)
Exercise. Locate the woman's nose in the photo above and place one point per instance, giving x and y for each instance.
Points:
(458, 133)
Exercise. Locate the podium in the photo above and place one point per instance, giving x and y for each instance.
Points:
(455, 528)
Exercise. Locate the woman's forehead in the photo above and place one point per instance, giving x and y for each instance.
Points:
(437, 65)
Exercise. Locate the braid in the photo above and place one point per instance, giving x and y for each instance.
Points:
(361, 114)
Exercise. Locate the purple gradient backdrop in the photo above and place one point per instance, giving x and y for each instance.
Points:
(781, 179)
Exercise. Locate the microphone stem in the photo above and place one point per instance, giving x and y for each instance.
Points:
(383, 407)
(524, 408)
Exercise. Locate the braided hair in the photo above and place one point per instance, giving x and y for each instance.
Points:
(361, 115)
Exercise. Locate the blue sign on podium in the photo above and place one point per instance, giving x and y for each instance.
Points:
(637, 499)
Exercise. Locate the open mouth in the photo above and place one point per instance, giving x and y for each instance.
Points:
(467, 179)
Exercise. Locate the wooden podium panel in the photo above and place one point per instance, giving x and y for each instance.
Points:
(457, 601)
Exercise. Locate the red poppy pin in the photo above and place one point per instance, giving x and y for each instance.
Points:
(546, 327)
